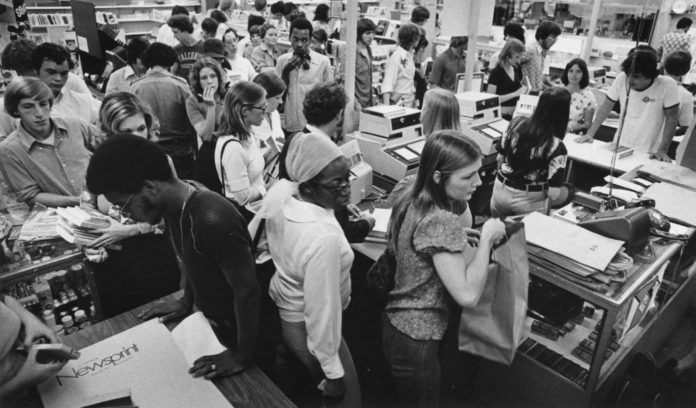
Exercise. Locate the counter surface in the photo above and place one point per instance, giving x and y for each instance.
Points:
(250, 388)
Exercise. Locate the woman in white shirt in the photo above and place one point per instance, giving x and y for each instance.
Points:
(312, 284)
(240, 67)
(275, 87)
(238, 155)
(398, 87)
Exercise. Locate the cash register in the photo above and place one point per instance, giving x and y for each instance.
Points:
(360, 172)
(390, 139)
(481, 119)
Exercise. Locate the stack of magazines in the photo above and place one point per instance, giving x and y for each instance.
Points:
(379, 232)
(580, 255)
(77, 225)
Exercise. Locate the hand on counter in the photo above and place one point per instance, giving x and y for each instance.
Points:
(114, 233)
(167, 311)
(218, 365)
(661, 156)
(584, 139)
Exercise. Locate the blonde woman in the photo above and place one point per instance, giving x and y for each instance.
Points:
(238, 155)
(440, 111)
(506, 78)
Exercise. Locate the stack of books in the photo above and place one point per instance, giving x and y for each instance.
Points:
(77, 225)
(41, 225)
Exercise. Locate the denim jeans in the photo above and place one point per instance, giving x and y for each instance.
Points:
(295, 338)
(511, 201)
(415, 366)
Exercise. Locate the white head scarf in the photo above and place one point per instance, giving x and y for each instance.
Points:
(308, 155)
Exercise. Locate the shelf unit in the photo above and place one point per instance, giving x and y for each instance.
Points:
(531, 382)
(133, 19)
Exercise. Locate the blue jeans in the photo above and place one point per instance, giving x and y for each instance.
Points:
(415, 366)
(510, 201)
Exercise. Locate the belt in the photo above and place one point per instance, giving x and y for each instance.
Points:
(522, 186)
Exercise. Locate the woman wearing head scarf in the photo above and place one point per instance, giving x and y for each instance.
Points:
(313, 258)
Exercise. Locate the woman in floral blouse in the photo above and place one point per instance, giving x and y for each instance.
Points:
(583, 103)
(430, 232)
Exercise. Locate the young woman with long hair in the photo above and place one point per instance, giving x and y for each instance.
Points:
(238, 156)
(532, 158)
(583, 104)
(440, 111)
(204, 108)
(430, 231)
(506, 78)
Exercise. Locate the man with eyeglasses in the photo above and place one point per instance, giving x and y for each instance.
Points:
(323, 107)
(534, 65)
(209, 238)
(301, 69)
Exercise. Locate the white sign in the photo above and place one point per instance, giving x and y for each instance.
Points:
(145, 360)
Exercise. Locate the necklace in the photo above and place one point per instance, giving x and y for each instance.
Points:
(189, 192)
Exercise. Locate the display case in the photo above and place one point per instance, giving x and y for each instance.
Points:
(52, 280)
(586, 339)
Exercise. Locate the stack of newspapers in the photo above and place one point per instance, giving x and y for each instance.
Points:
(78, 225)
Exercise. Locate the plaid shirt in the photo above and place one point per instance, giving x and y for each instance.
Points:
(674, 41)
(533, 66)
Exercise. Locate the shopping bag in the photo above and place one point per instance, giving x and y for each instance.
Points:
(495, 326)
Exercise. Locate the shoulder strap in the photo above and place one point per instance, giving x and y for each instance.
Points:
(222, 168)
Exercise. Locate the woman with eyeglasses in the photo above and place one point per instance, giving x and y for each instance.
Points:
(431, 236)
(204, 108)
(312, 283)
(240, 68)
(265, 56)
(141, 271)
(238, 155)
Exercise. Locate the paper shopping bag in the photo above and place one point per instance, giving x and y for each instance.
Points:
(495, 326)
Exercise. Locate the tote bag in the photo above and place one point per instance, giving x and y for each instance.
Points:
(495, 326)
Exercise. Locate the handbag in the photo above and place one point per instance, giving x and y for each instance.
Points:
(494, 328)
(380, 277)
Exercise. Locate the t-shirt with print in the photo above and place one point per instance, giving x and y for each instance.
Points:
(645, 116)
(187, 55)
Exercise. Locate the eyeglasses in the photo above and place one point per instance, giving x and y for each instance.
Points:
(123, 210)
(336, 187)
(263, 108)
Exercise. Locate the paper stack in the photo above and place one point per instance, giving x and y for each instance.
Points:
(566, 248)
(76, 225)
(379, 232)
(40, 225)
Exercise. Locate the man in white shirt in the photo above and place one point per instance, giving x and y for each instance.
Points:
(651, 109)
(122, 79)
(301, 69)
(165, 34)
(52, 63)
(534, 65)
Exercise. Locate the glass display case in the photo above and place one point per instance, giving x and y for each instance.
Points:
(580, 338)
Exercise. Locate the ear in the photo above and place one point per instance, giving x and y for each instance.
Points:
(437, 177)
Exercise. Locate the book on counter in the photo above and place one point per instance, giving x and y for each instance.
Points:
(621, 151)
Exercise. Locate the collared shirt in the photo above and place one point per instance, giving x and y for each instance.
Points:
(264, 58)
(121, 80)
(445, 69)
(363, 76)
(312, 280)
(301, 81)
(399, 72)
(167, 94)
(71, 104)
(32, 167)
(533, 66)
